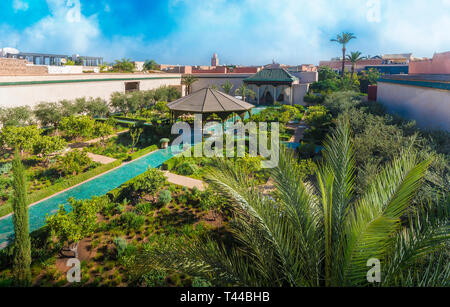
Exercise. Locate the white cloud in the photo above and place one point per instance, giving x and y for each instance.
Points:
(20, 5)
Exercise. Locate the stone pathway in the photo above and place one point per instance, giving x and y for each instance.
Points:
(100, 159)
(185, 181)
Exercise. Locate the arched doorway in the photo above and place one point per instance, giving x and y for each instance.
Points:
(267, 98)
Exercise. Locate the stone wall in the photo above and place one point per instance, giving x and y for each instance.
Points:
(440, 64)
(15, 67)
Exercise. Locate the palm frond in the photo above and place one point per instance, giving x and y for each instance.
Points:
(376, 217)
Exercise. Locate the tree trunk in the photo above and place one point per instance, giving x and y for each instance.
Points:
(353, 71)
(343, 62)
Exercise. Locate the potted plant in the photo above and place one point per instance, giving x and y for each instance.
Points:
(164, 143)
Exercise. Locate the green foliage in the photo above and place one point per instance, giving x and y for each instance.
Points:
(102, 130)
(313, 98)
(46, 145)
(326, 73)
(227, 87)
(17, 116)
(188, 81)
(368, 77)
(151, 65)
(22, 244)
(149, 183)
(165, 197)
(186, 169)
(245, 92)
(74, 162)
(132, 221)
(20, 138)
(124, 65)
(77, 126)
(144, 208)
(73, 225)
(48, 113)
(314, 237)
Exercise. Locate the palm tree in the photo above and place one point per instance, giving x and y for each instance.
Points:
(317, 235)
(188, 80)
(343, 39)
(227, 86)
(244, 91)
(354, 58)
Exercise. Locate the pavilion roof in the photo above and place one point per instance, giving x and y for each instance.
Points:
(271, 75)
(209, 100)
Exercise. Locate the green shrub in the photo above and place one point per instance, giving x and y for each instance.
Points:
(186, 169)
(131, 220)
(144, 208)
(165, 197)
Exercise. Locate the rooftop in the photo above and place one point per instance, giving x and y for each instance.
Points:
(272, 75)
(209, 100)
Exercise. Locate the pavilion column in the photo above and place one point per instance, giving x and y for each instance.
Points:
(259, 96)
(274, 94)
(291, 95)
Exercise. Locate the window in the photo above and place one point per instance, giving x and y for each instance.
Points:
(131, 86)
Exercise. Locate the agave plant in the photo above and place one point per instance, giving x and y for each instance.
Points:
(319, 234)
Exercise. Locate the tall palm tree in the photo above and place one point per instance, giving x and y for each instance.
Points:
(343, 39)
(354, 58)
(227, 87)
(245, 92)
(318, 235)
(188, 80)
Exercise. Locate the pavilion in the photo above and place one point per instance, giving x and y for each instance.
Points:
(207, 102)
(272, 85)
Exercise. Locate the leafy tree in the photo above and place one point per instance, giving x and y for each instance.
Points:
(103, 130)
(119, 102)
(74, 162)
(151, 65)
(69, 63)
(20, 138)
(326, 73)
(135, 134)
(322, 236)
(22, 244)
(188, 80)
(96, 107)
(47, 145)
(354, 58)
(346, 83)
(343, 39)
(48, 113)
(227, 87)
(18, 116)
(70, 108)
(124, 65)
(77, 126)
(245, 92)
(71, 227)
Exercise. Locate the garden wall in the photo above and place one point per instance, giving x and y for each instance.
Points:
(429, 107)
(30, 90)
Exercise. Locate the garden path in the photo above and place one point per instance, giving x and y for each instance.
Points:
(185, 181)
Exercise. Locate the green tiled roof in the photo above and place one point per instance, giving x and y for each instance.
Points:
(267, 75)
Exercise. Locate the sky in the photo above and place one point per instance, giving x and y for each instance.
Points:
(242, 32)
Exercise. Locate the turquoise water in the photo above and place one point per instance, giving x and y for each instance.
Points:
(96, 187)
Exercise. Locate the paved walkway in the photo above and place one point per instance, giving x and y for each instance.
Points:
(100, 159)
(185, 181)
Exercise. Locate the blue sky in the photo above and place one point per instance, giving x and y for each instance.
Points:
(247, 32)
